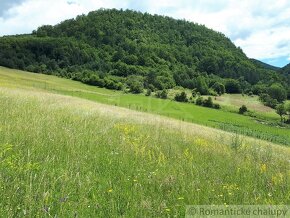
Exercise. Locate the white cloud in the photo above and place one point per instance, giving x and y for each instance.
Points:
(259, 27)
(29, 15)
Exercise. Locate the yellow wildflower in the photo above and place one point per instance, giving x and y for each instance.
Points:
(263, 168)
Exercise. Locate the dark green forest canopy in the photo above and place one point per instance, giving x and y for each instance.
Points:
(106, 47)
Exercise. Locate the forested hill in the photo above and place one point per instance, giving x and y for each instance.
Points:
(109, 47)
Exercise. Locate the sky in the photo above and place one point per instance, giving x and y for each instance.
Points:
(260, 27)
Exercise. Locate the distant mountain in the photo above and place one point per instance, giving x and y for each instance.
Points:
(108, 47)
(286, 69)
(264, 65)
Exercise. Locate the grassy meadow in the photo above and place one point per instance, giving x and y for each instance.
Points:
(262, 125)
(62, 156)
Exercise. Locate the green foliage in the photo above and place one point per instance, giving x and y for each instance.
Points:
(194, 93)
(281, 111)
(243, 109)
(165, 51)
(148, 92)
(135, 84)
(219, 88)
(259, 88)
(201, 85)
(181, 97)
(199, 101)
(268, 101)
(208, 102)
(220, 119)
(61, 157)
(233, 86)
(276, 91)
(162, 94)
(287, 108)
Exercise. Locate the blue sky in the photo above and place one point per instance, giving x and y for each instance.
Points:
(261, 27)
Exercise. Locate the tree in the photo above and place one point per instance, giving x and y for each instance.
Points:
(135, 84)
(277, 91)
(232, 86)
(281, 111)
(201, 85)
(287, 107)
(181, 97)
(219, 88)
(268, 101)
(243, 109)
(136, 87)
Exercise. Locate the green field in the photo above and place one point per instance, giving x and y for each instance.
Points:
(263, 126)
(68, 157)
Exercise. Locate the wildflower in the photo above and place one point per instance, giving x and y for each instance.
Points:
(263, 168)
(180, 198)
(110, 190)
(167, 209)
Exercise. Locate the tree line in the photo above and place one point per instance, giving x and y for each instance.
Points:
(137, 51)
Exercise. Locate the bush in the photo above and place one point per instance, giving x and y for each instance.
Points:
(243, 109)
(135, 84)
(212, 92)
(194, 93)
(277, 91)
(201, 85)
(267, 100)
(281, 111)
(216, 106)
(199, 101)
(181, 97)
(218, 88)
(148, 92)
(162, 94)
(208, 102)
(136, 87)
(250, 93)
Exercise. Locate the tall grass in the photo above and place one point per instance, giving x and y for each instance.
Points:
(65, 157)
(221, 119)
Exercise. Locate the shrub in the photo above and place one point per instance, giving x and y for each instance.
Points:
(208, 102)
(199, 101)
(243, 109)
(277, 91)
(148, 92)
(181, 97)
(268, 100)
(281, 111)
(194, 93)
(136, 87)
(216, 106)
(162, 94)
(218, 88)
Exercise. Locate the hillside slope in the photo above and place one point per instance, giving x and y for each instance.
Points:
(263, 126)
(106, 47)
(64, 156)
